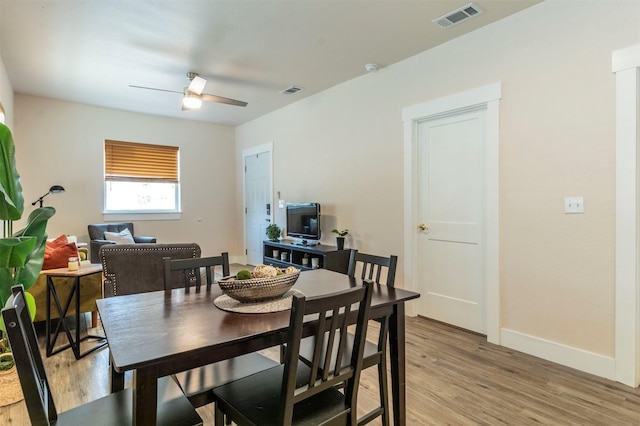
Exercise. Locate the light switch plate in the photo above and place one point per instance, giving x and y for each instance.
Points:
(281, 204)
(574, 205)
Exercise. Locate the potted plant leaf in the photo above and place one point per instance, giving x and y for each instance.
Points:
(340, 237)
(22, 252)
(273, 232)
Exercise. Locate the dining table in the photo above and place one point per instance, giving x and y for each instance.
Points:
(161, 333)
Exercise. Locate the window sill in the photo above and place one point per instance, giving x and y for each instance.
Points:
(132, 216)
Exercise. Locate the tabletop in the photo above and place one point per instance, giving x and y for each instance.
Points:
(89, 269)
(149, 328)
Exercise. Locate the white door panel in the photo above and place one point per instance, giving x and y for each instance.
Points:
(454, 231)
(446, 277)
(257, 197)
(451, 187)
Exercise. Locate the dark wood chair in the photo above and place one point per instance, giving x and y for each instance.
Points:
(198, 384)
(294, 393)
(381, 270)
(114, 409)
(192, 270)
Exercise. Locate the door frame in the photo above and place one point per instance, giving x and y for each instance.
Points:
(248, 152)
(489, 98)
(626, 67)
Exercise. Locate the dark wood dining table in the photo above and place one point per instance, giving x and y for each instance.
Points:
(161, 333)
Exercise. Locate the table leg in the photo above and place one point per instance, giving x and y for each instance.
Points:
(74, 344)
(145, 396)
(62, 313)
(76, 347)
(116, 379)
(88, 336)
(398, 367)
(49, 346)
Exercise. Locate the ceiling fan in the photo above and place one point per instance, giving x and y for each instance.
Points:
(193, 96)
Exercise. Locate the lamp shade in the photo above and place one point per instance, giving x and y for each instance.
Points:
(191, 100)
(55, 189)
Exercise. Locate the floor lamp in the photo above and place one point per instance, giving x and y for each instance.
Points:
(55, 189)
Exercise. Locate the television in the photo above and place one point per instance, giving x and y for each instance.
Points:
(303, 222)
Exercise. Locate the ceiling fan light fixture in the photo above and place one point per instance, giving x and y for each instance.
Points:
(191, 100)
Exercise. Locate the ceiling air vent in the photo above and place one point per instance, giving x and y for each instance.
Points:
(458, 15)
(291, 90)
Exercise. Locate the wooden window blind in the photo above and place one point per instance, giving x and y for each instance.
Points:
(129, 161)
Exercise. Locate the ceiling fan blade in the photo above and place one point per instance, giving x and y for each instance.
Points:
(197, 84)
(223, 100)
(154, 88)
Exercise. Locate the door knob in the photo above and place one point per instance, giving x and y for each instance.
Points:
(423, 227)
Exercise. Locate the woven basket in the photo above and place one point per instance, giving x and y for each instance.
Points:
(258, 289)
(10, 389)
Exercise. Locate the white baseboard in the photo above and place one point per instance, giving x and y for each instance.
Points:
(589, 362)
(238, 259)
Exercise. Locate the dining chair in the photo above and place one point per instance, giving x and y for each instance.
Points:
(193, 270)
(294, 393)
(198, 383)
(114, 409)
(381, 270)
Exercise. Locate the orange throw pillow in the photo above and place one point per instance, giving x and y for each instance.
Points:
(58, 252)
(58, 242)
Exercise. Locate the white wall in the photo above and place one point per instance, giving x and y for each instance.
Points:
(6, 92)
(343, 148)
(62, 143)
(6, 95)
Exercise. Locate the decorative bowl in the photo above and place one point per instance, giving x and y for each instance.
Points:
(258, 289)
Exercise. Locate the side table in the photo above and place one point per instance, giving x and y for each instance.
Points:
(74, 296)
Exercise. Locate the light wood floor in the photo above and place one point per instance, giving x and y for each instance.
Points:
(453, 378)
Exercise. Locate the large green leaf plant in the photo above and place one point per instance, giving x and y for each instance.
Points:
(22, 252)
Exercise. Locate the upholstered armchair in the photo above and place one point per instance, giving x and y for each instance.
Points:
(139, 268)
(98, 239)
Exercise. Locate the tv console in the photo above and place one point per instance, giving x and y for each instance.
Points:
(306, 243)
(329, 257)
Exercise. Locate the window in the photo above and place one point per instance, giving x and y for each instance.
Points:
(141, 178)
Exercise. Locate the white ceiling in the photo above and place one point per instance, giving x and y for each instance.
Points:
(90, 51)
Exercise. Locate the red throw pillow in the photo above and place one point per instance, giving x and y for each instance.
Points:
(58, 252)
(58, 242)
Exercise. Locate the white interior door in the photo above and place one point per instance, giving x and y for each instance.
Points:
(451, 152)
(258, 203)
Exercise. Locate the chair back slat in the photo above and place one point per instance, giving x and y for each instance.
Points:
(24, 344)
(192, 270)
(372, 267)
(334, 313)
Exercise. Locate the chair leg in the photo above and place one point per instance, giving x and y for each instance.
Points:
(94, 319)
(283, 350)
(219, 417)
(384, 389)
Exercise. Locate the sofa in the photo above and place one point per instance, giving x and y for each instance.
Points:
(139, 268)
(97, 238)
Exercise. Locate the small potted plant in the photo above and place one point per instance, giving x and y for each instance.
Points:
(340, 237)
(273, 232)
(305, 259)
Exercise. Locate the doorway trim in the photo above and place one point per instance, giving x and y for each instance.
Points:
(248, 152)
(488, 97)
(626, 67)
